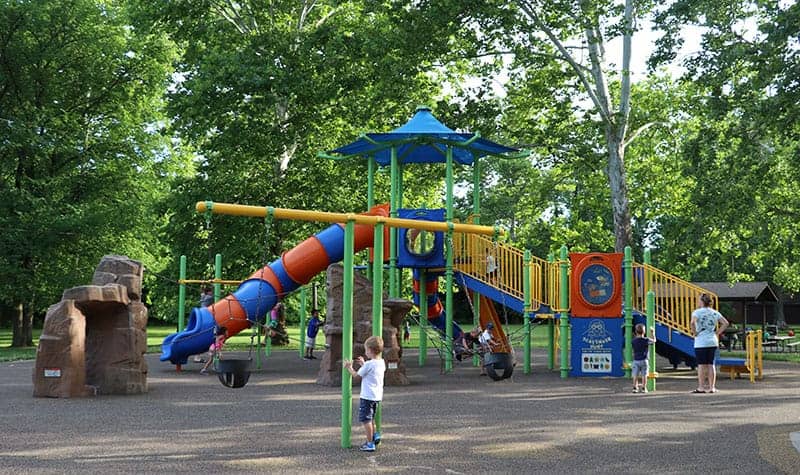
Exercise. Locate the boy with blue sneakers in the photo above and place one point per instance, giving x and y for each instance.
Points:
(371, 372)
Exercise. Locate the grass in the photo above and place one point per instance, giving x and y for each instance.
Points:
(241, 342)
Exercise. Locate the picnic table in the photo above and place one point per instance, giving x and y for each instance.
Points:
(782, 342)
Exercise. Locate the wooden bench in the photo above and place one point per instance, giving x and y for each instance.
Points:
(734, 366)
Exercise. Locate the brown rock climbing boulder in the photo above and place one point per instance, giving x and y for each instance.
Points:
(97, 333)
(394, 310)
(60, 369)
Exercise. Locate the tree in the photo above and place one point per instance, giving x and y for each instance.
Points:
(82, 155)
(263, 86)
(550, 29)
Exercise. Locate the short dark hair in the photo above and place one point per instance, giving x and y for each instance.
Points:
(639, 329)
(706, 299)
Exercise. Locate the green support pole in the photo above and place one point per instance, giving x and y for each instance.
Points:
(448, 361)
(551, 331)
(303, 298)
(448, 357)
(393, 231)
(476, 211)
(377, 299)
(526, 292)
(647, 261)
(371, 198)
(370, 182)
(181, 293)
(423, 318)
(564, 317)
(627, 267)
(377, 283)
(347, 332)
(476, 321)
(651, 359)
(268, 342)
(218, 277)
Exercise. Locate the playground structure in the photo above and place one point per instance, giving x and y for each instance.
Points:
(594, 299)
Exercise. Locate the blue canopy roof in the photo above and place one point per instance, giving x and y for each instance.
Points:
(423, 139)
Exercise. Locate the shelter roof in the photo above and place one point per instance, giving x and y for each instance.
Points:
(740, 291)
(423, 139)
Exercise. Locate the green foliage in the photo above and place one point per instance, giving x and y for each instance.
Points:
(82, 145)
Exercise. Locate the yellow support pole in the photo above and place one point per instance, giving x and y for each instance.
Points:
(323, 216)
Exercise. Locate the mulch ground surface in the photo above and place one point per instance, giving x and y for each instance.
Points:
(461, 422)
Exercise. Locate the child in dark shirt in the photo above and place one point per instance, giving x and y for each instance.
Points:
(641, 347)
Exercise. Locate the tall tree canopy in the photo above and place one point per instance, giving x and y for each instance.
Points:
(80, 92)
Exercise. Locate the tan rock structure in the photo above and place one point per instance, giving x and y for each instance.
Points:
(94, 339)
(394, 310)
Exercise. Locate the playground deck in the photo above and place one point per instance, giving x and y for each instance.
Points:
(283, 422)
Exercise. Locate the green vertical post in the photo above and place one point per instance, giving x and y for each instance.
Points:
(181, 292)
(476, 211)
(448, 361)
(268, 341)
(423, 317)
(647, 276)
(651, 357)
(303, 298)
(528, 304)
(398, 280)
(371, 198)
(551, 330)
(370, 182)
(564, 317)
(377, 298)
(377, 283)
(448, 344)
(217, 277)
(476, 321)
(393, 231)
(347, 332)
(627, 304)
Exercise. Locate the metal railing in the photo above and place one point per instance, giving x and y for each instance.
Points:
(676, 298)
(472, 252)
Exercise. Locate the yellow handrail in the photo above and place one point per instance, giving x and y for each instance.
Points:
(676, 298)
(470, 257)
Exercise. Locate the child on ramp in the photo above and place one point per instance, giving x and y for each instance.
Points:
(371, 372)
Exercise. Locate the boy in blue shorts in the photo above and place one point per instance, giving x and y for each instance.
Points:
(371, 372)
(641, 347)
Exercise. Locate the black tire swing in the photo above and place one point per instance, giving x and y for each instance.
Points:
(233, 373)
(498, 366)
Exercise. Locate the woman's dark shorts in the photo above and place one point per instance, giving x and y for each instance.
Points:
(705, 355)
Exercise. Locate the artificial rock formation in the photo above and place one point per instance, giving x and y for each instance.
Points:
(394, 310)
(94, 339)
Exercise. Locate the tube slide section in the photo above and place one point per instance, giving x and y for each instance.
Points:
(436, 315)
(262, 290)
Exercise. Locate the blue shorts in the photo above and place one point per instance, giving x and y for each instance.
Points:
(639, 368)
(366, 410)
(705, 355)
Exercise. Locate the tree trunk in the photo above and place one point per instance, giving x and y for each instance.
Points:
(22, 329)
(620, 206)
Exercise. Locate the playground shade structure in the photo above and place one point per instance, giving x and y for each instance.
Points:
(264, 288)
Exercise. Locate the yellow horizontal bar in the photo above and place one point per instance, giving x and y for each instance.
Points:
(304, 215)
(212, 281)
